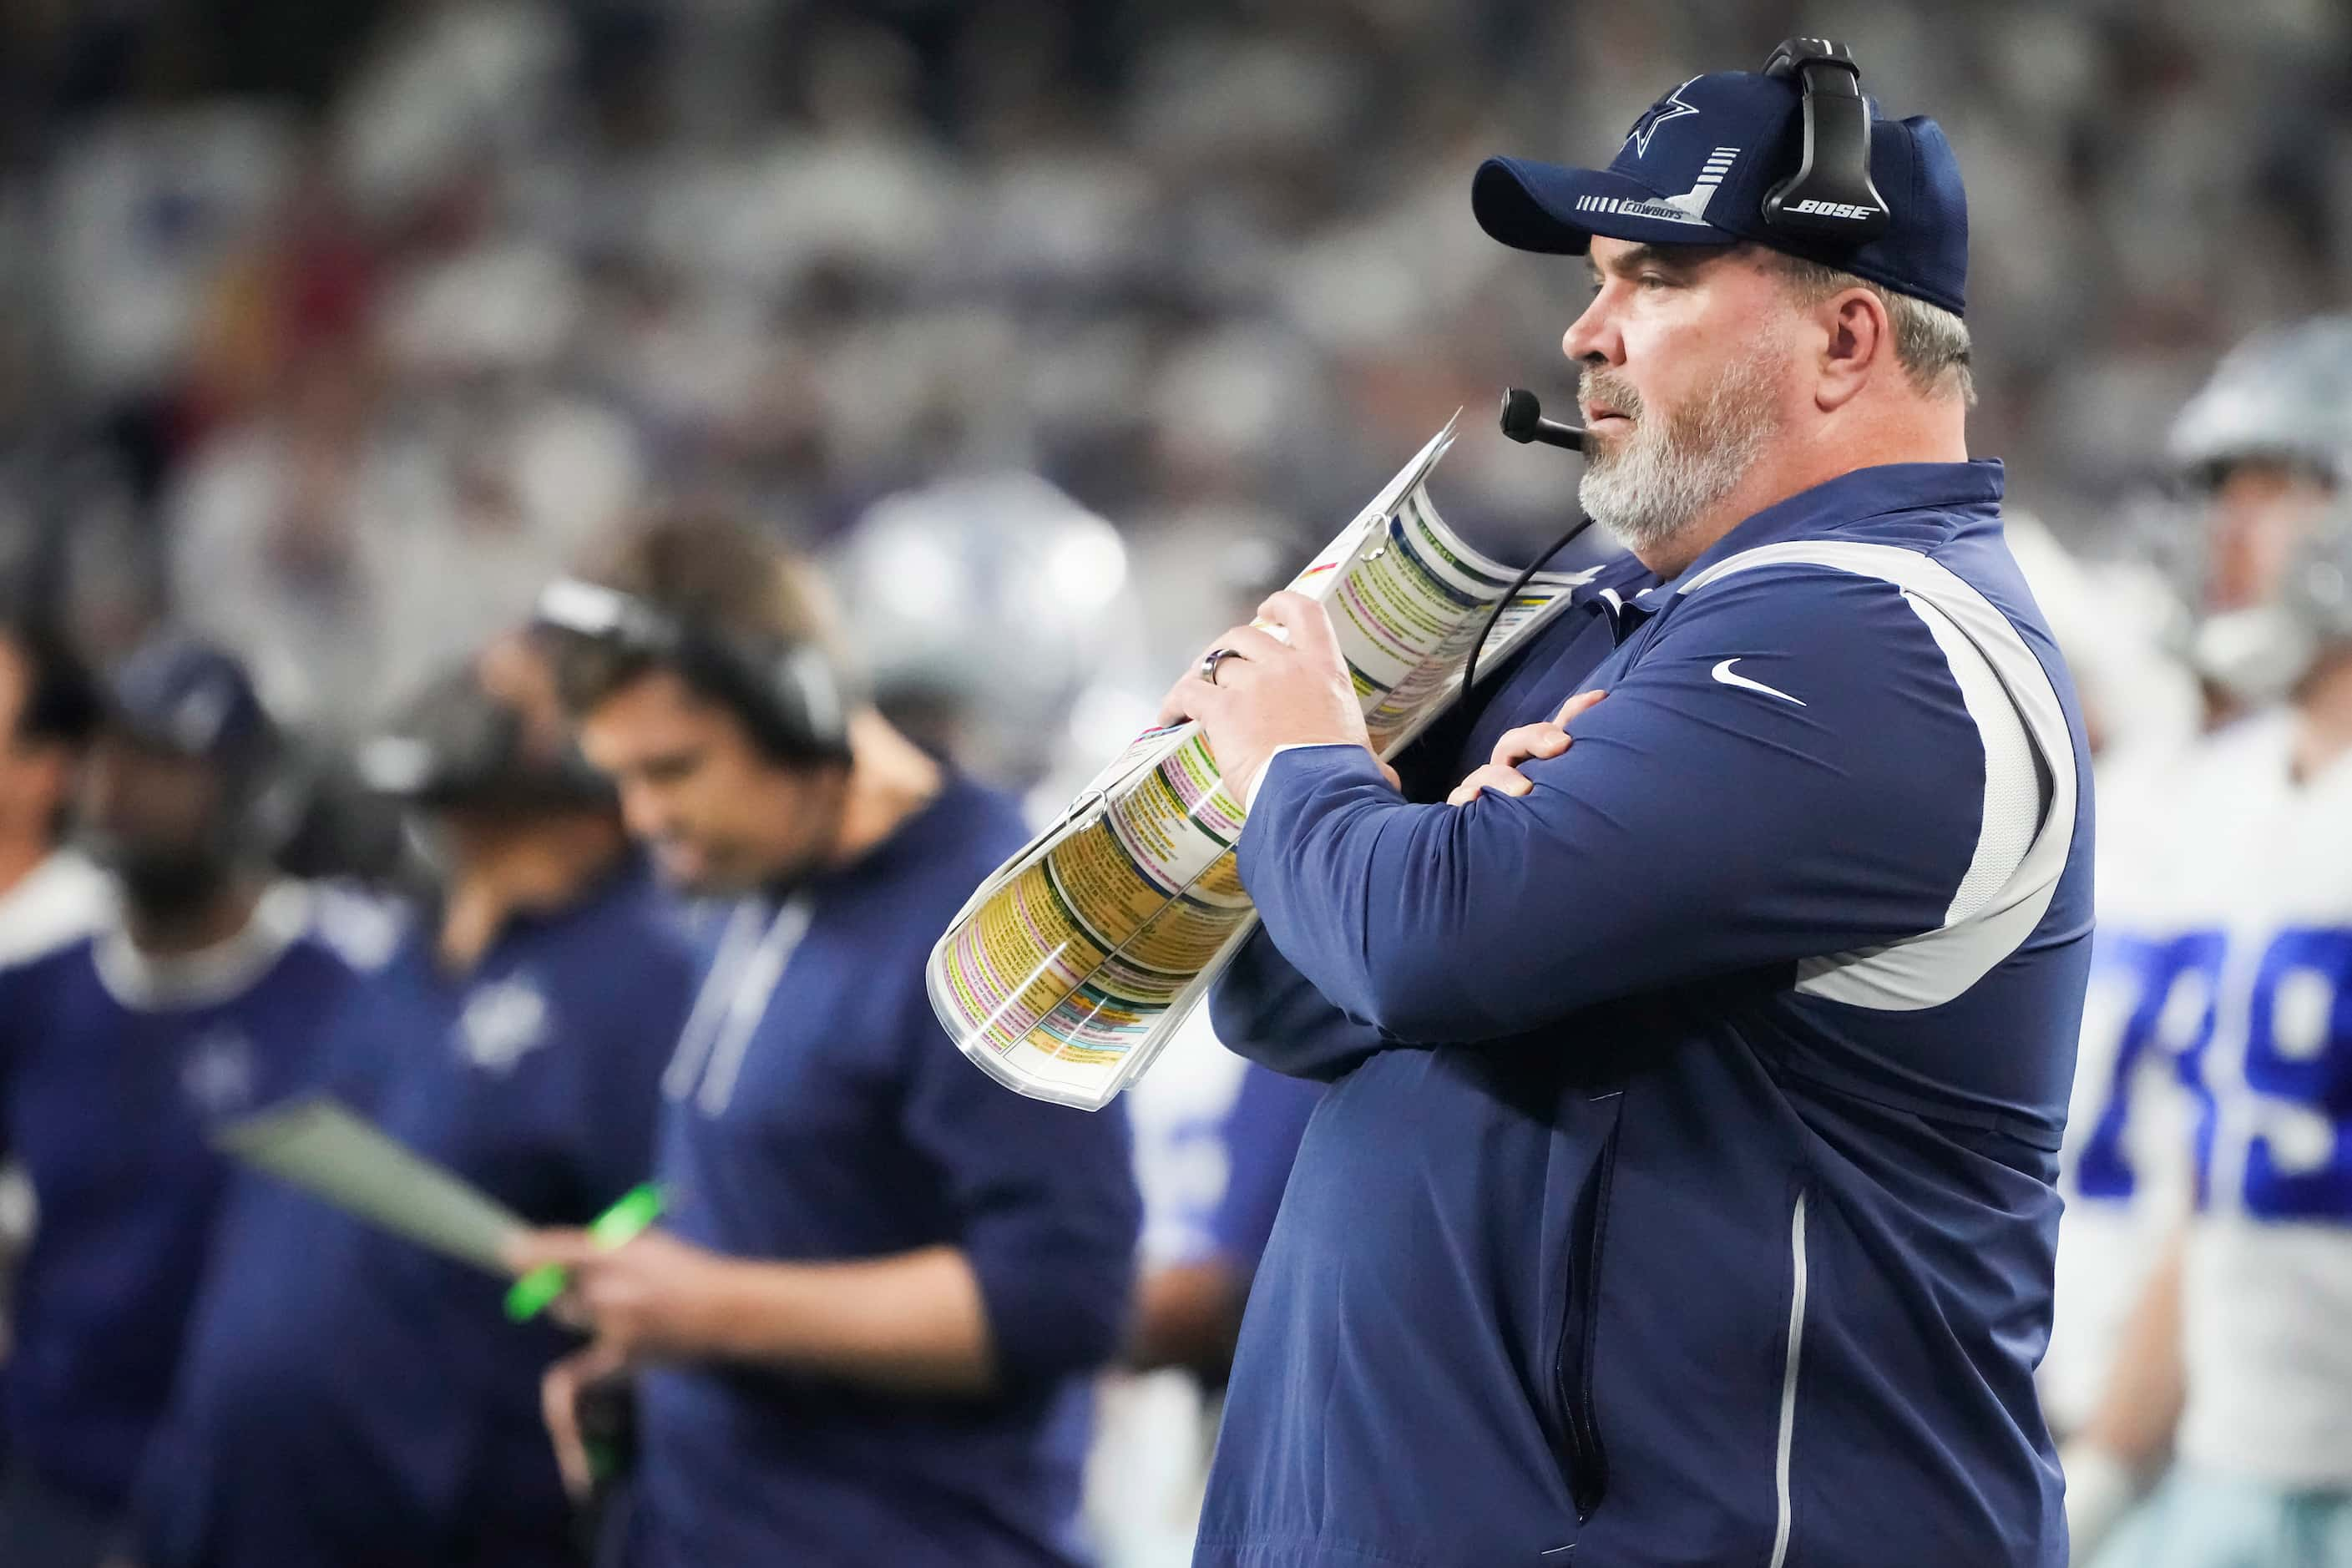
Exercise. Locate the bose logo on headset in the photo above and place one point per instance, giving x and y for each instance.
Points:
(1835, 209)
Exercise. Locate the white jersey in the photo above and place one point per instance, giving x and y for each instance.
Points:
(1153, 1431)
(62, 898)
(2125, 1170)
(2260, 900)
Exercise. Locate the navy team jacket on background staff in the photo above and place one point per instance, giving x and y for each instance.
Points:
(113, 1069)
(350, 1400)
(1684, 1190)
(838, 1120)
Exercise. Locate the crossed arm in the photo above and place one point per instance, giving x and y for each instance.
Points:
(1696, 827)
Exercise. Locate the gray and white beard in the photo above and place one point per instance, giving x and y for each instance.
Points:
(1647, 487)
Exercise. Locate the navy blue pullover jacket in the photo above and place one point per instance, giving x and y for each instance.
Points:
(816, 1111)
(1684, 1194)
(350, 1400)
(114, 1072)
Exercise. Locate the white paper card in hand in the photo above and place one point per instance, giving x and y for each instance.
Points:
(322, 1148)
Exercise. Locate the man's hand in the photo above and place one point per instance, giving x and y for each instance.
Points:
(1272, 692)
(1526, 743)
(559, 1406)
(653, 1298)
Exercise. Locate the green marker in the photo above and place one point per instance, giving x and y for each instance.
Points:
(535, 1291)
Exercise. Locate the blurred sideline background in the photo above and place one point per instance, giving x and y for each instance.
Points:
(331, 325)
(333, 328)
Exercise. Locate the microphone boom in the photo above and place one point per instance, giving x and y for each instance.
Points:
(1523, 421)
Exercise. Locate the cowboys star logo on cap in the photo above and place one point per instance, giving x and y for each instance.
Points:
(1707, 184)
(1670, 107)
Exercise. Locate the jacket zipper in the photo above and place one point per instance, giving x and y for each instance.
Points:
(1587, 1459)
(1789, 1383)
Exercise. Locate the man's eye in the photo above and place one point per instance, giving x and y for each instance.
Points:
(1653, 281)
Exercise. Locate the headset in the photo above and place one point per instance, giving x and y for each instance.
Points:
(1831, 197)
(786, 693)
(457, 745)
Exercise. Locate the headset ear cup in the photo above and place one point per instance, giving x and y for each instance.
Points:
(267, 820)
(580, 778)
(788, 696)
(1830, 198)
(809, 676)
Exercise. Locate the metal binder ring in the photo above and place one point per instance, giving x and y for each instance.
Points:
(1209, 662)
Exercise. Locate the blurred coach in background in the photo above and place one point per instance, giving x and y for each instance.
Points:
(350, 1400)
(865, 1326)
(199, 998)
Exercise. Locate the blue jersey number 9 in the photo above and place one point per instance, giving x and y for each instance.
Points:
(2299, 1065)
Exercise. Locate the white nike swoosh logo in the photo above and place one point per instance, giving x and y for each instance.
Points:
(1723, 673)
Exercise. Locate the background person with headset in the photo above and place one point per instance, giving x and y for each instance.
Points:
(196, 1000)
(348, 1398)
(862, 1333)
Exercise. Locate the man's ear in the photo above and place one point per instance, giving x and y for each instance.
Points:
(1859, 343)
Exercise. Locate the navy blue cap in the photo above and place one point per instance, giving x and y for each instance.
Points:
(191, 699)
(1695, 169)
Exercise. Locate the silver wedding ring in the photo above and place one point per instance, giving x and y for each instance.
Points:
(1210, 659)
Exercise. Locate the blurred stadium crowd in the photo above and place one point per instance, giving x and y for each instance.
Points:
(328, 325)
(331, 331)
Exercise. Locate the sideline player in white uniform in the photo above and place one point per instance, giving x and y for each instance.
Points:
(2242, 944)
(2258, 450)
(2124, 1198)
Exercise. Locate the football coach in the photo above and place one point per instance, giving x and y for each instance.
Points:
(1699, 1051)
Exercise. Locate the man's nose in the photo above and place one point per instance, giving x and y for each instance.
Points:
(1592, 337)
(642, 811)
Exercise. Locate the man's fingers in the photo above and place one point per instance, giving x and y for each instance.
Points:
(1396, 783)
(1253, 642)
(1548, 739)
(558, 1402)
(1190, 694)
(1247, 645)
(1306, 621)
(537, 1248)
(1529, 741)
(1493, 775)
(1578, 704)
(558, 1399)
(1186, 699)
